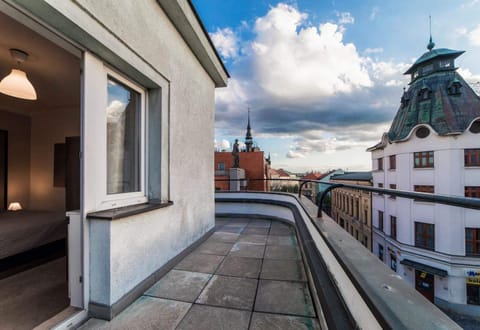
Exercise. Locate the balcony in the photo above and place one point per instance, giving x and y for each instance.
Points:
(271, 263)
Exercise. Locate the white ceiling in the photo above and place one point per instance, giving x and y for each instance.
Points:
(54, 72)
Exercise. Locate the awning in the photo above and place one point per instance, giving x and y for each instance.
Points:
(424, 268)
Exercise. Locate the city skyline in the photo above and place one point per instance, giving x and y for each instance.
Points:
(323, 80)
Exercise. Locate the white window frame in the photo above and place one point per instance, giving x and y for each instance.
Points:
(131, 198)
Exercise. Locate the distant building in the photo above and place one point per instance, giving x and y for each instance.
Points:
(432, 147)
(252, 161)
(284, 184)
(310, 189)
(351, 208)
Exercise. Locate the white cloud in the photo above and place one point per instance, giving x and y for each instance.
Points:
(345, 18)
(474, 36)
(293, 154)
(373, 50)
(115, 111)
(294, 62)
(225, 42)
(225, 144)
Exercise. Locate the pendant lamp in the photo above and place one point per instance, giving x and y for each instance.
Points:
(16, 84)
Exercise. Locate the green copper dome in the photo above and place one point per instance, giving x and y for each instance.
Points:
(437, 96)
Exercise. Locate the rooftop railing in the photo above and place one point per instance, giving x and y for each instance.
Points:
(383, 291)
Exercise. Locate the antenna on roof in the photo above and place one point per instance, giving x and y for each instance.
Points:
(431, 44)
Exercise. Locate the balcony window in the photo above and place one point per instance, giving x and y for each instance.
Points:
(125, 138)
(423, 159)
(471, 157)
(472, 241)
(380, 220)
(393, 227)
(392, 162)
(425, 235)
(472, 191)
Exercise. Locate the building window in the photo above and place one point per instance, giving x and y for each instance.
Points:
(393, 187)
(380, 164)
(473, 294)
(425, 235)
(380, 251)
(472, 191)
(475, 127)
(472, 157)
(472, 241)
(380, 220)
(365, 216)
(125, 138)
(221, 166)
(365, 241)
(392, 162)
(393, 262)
(423, 159)
(424, 189)
(393, 227)
(422, 132)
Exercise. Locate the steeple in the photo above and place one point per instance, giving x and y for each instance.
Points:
(248, 136)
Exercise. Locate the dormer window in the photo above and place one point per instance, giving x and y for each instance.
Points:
(427, 69)
(424, 93)
(445, 64)
(454, 88)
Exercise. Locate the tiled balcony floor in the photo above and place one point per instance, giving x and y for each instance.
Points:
(248, 274)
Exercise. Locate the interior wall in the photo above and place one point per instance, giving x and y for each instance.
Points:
(18, 127)
(49, 127)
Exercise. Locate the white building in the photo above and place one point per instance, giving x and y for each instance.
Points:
(132, 81)
(433, 146)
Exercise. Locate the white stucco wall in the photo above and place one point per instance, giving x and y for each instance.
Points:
(123, 253)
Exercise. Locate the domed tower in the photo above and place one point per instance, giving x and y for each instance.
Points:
(432, 146)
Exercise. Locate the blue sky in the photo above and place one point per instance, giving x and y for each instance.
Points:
(323, 79)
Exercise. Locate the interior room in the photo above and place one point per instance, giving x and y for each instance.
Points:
(39, 169)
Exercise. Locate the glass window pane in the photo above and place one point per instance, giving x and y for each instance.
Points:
(123, 138)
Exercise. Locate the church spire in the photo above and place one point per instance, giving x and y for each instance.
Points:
(248, 136)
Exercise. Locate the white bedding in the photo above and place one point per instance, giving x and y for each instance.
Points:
(24, 230)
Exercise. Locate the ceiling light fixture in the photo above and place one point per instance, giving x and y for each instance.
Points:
(16, 84)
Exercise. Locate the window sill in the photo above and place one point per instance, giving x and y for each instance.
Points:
(127, 211)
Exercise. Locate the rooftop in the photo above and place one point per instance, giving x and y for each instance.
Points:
(248, 274)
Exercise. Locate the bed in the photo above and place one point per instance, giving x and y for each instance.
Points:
(24, 230)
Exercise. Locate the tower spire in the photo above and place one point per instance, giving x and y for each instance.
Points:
(248, 136)
(431, 44)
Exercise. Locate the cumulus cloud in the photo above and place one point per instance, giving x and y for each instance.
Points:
(474, 36)
(225, 42)
(300, 79)
(292, 62)
(293, 154)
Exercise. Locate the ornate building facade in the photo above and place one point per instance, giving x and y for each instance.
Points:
(433, 147)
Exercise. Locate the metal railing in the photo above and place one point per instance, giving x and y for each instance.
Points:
(458, 201)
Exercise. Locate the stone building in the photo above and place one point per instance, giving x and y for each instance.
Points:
(351, 208)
